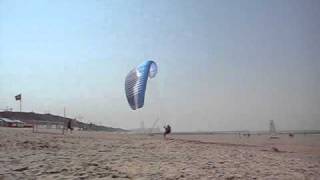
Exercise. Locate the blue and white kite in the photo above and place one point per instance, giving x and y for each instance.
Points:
(136, 83)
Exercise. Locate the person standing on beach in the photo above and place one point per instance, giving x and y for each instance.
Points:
(69, 125)
(167, 131)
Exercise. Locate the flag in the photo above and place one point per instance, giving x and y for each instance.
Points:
(18, 97)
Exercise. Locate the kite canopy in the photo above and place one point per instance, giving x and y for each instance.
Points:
(136, 83)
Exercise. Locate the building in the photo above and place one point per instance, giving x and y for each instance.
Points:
(5, 122)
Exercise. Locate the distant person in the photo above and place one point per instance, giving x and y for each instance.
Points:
(90, 126)
(167, 130)
(69, 125)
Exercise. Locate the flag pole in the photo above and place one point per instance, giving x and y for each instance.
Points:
(19, 98)
(20, 105)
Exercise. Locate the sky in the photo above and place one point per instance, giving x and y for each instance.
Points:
(223, 65)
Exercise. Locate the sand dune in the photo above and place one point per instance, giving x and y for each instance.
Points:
(99, 155)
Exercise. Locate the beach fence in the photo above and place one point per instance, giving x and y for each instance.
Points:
(50, 127)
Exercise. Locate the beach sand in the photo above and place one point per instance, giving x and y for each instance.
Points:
(101, 155)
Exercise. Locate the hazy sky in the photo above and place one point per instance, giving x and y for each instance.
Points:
(223, 65)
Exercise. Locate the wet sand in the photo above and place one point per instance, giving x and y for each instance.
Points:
(100, 155)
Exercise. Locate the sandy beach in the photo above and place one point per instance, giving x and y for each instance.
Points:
(100, 155)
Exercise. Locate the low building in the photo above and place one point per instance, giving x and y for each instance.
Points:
(5, 122)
